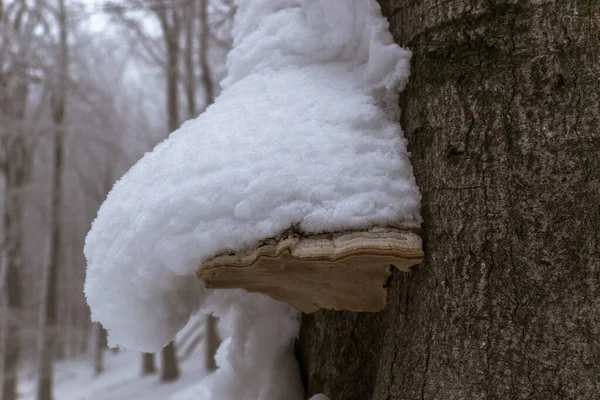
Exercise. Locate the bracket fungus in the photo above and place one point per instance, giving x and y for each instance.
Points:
(339, 271)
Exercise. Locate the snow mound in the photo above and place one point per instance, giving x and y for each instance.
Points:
(304, 134)
(256, 361)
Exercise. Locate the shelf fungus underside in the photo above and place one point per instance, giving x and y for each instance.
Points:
(339, 271)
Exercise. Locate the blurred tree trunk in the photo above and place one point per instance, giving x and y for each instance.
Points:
(49, 301)
(170, 367)
(15, 164)
(100, 344)
(203, 43)
(148, 365)
(100, 335)
(14, 297)
(211, 341)
(190, 76)
(502, 116)
(16, 169)
(171, 24)
(83, 326)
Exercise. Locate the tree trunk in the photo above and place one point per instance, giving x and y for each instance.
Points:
(14, 296)
(170, 369)
(172, 35)
(17, 175)
(502, 118)
(190, 76)
(171, 27)
(100, 343)
(207, 81)
(15, 165)
(148, 366)
(84, 322)
(211, 343)
(49, 300)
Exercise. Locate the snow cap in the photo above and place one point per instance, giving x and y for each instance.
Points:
(303, 134)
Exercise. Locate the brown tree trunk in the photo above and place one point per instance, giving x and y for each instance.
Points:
(15, 165)
(211, 343)
(14, 297)
(100, 343)
(205, 71)
(502, 117)
(148, 366)
(17, 170)
(170, 367)
(172, 33)
(190, 76)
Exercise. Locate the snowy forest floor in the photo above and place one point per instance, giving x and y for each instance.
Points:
(121, 379)
(122, 376)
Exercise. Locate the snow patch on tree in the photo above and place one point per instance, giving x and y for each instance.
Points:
(304, 134)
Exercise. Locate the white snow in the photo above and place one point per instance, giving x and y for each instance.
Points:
(256, 360)
(304, 134)
(121, 380)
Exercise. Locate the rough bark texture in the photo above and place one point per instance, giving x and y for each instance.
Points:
(502, 117)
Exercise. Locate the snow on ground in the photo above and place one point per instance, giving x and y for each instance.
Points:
(121, 379)
(304, 134)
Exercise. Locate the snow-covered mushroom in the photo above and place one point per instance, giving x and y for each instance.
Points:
(303, 136)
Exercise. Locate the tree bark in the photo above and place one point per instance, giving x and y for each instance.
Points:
(170, 367)
(502, 118)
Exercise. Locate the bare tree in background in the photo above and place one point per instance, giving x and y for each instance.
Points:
(34, 77)
(171, 22)
(211, 340)
(49, 301)
(17, 25)
(188, 55)
(99, 348)
(203, 50)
